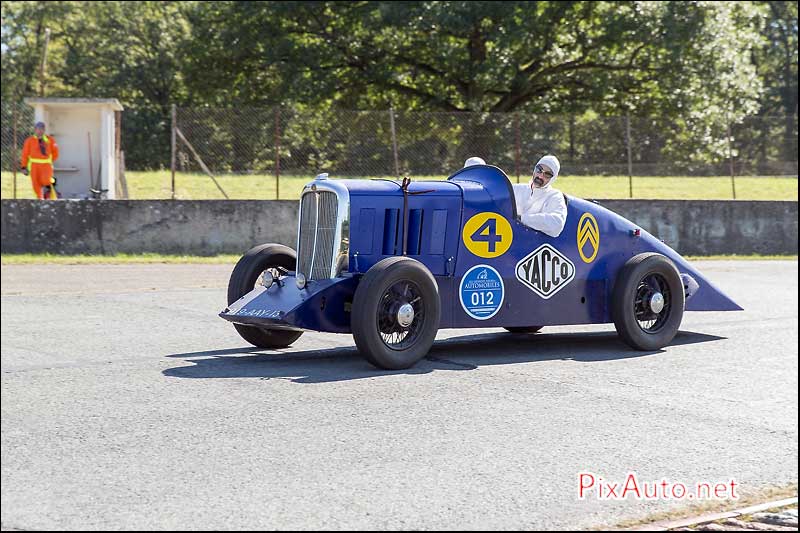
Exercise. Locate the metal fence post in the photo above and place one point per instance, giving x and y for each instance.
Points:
(394, 143)
(173, 147)
(14, 159)
(730, 157)
(628, 146)
(571, 124)
(277, 153)
(516, 141)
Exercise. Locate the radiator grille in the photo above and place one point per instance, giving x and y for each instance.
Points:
(318, 220)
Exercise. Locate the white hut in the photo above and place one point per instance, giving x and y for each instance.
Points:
(87, 133)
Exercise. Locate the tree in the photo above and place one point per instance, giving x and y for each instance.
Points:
(776, 60)
(125, 50)
(697, 66)
(463, 56)
(683, 60)
(23, 36)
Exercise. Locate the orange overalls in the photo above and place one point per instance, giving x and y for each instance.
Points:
(38, 156)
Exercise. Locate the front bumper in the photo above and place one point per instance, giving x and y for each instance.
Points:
(323, 305)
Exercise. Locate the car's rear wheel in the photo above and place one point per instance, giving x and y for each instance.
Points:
(396, 312)
(277, 260)
(648, 301)
(524, 329)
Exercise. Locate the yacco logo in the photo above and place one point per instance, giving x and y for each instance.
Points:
(588, 237)
(545, 271)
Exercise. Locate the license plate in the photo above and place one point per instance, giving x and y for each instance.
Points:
(236, 306)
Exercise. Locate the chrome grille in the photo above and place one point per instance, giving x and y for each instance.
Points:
(308, 230)
(318, 230)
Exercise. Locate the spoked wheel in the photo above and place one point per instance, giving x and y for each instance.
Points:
(401, 314)
(264, 260)
(396, 312)
(652, 303)
(648, 302)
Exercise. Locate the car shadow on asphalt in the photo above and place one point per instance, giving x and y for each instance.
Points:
(462, 353)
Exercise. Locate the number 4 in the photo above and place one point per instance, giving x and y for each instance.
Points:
(491, 237)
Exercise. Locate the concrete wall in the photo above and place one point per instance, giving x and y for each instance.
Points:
(207, 227)
(705, 227)
(134, 226)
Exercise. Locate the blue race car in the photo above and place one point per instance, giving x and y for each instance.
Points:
(392, 263)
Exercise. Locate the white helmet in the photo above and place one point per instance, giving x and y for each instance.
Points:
(551, 162)
(474, 161)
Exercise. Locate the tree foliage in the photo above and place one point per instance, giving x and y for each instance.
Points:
(704, 63)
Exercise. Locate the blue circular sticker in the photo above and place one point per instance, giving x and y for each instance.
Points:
(481, 292)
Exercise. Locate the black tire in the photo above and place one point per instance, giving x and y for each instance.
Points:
(376, 326)
(637, 323)
(524, 329)
(243, 280)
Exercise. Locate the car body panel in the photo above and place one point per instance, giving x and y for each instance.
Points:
(376, 215)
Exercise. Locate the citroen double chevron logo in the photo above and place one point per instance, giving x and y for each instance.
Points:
(545, 271)
(588, 238)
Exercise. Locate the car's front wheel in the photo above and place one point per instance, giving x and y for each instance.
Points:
(396, 312)
(277, 260)
(648, 301)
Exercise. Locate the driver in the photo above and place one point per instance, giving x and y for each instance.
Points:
(539, 205)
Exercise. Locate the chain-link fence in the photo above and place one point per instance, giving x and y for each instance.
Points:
(393, 143)
(16, 122)
(275, 145)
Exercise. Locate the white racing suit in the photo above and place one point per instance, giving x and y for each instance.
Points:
(541, 209)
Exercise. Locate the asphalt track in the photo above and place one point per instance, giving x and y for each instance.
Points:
(128, 404)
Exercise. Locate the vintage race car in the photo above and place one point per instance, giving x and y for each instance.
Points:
(392, 263)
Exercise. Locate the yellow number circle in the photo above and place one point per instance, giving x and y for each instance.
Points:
(588, 237)
(487, 235)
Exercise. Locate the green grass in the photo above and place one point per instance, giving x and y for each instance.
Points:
(157, 185)
(681, 188)
(54, 259)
